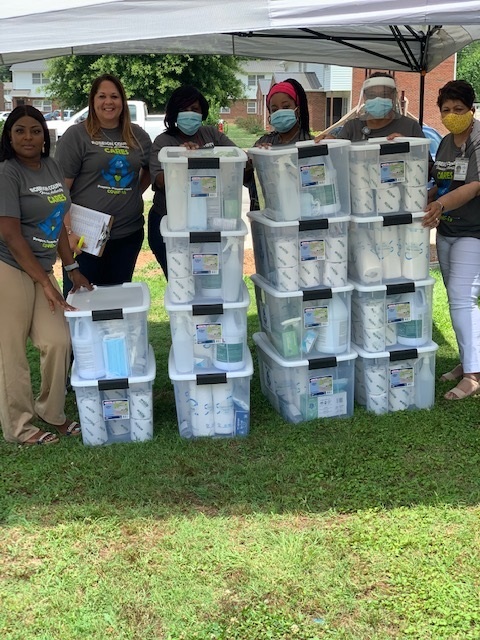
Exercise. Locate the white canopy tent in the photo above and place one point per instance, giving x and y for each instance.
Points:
(389, 34)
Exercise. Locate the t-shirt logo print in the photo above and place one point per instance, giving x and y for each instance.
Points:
(119, 172)
(51, 226)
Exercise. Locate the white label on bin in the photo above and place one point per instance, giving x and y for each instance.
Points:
(268, 378)
(320, 386)
(205, 264)
(392, 171)
(203, 187)
(334, 405)
(116, 409)
(312, 250)
(398, 312)
(312, 174)
(208, 333)
(402, 377)
(315, 317)
(264, 313)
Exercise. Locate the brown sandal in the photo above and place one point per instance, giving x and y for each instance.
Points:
(454, 374)
(457, 393)
(47, 437)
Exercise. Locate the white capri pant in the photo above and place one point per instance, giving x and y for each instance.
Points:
(459, 260)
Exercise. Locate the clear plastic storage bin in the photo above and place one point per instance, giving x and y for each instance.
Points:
(109, 331)
(389, 176)
(305, 324)
(394, 316)
(204, 265)
(396, 380)
(212, 404)
(304, 390)
(386, 249)
(115, 410)
(203, 187)
(305, 180)
(300, 254)
(209, 337)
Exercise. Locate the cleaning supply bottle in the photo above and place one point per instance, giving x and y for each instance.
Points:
(232, 271)
(414, 332)
(333, 335)
(87, 350)
(230, 353)
(197, 213)
(424, 385)
(223, 408)
(182, 346)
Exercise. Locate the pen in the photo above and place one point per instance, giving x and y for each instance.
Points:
(79, 245)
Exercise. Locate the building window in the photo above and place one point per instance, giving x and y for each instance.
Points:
(251, 108)
(39, 78)
(43, 105)
(224, 110)
(254, 78)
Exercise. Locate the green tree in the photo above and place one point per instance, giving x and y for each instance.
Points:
(468, 66)
(150, 77)
(5, 75)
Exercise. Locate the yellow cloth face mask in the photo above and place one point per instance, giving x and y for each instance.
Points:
(457, 123)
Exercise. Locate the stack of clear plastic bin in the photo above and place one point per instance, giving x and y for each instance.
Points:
(206, 298)
(113, 368)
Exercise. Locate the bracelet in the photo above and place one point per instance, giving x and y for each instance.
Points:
(71, 267)
(442, 206)
(69, 230)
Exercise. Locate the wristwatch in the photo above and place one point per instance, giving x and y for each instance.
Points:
(71, 267)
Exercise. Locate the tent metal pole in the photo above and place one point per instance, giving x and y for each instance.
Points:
(421, 98)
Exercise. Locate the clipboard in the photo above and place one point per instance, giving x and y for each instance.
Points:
(93, 225)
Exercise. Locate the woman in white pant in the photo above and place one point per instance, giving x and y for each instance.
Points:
(456, 215)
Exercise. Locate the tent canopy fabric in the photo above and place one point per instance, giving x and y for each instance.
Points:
(361, 33)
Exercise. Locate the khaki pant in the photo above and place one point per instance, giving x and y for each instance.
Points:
(24, 313)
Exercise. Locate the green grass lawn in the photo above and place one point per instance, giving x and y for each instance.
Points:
(241, 137)
(365, 528)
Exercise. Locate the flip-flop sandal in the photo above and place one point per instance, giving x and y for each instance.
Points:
(46, 438)
(451, 376)
(73, 429)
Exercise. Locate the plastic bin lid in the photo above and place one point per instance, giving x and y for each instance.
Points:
(131, 297)
(416, 215)
(414, 142)
(166, 233)
(263, 343)
(430, 347)
(170, 306)
(182, 154)
(280, 150)
(328, 142)
(263, 217)
(364, 146)
(263, 284)
(175, 376)
(383, 287)
(76, 381)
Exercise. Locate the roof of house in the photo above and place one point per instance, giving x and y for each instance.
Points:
(309, 80)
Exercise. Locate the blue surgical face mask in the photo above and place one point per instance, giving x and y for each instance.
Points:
(189, 122)
(378, 107)
(283, 120)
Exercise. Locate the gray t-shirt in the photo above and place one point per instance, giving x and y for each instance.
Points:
(352, 129)
(39, 199)
(464, 221)
(105, 174)
(206, 136)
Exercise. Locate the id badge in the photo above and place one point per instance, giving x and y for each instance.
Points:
(461, 166)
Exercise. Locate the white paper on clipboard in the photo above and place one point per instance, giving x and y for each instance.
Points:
(93, 225)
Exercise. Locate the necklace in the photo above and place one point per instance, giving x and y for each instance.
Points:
(107, 136)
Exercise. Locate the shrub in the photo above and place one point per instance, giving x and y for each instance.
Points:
(252, 124)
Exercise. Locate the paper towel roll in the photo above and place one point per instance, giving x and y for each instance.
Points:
(400, 398)
(390, 334)
(179, 264)
(416, 173)
(141, 430)
(363, 201)
(373, 340)
(387, 245)
(364, 262)
(372, 313)
(94, 431)
(335, 274)
(414, 198)
(359, 176)
(181, 289)
(285, 252)
(336, 248)
(375, 175)
(286, 279)
(388, 200)
(141, 403)
(415, 254)
(308, 274)
(376, 380)
(377, 404)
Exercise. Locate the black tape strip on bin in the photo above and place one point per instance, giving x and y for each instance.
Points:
(403, 354)
(211, 378)
(311, 225)
(322, 363)
(205, 236)
(207, 309)
(390, 148)
(317, 294)
(311, 152)
(400, 287)
(203, 163)
(107, 314)
(108, 385)
(397, 218)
